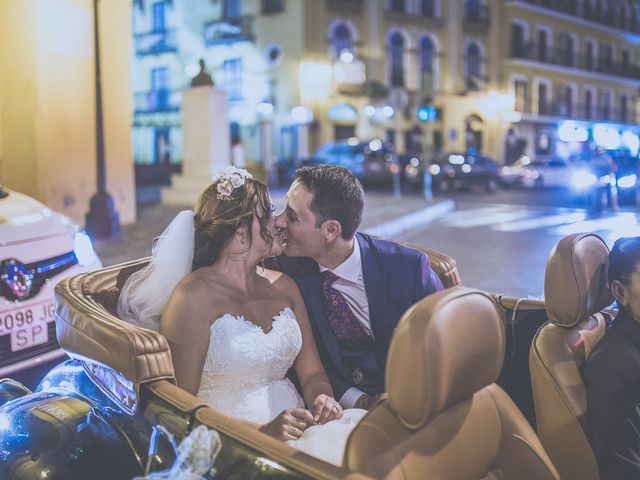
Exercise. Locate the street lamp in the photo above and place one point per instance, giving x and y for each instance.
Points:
(102, 221)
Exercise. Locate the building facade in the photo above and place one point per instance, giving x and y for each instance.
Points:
(498, 76)
(48, 103)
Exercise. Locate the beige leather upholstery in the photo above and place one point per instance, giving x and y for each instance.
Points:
(118, 356)
(575, 289)
(443, 265)
(445, 417)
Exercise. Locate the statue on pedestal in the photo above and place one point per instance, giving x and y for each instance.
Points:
(202, 78)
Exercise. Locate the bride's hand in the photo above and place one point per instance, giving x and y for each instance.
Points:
(325, 409)
(289, 425)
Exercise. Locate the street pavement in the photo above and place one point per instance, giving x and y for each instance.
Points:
(501, 242)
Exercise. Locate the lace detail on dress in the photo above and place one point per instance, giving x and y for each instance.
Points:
(244, 374)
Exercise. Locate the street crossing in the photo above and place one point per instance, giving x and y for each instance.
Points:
(554, 221)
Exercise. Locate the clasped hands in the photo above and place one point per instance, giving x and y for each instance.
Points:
(291, 423)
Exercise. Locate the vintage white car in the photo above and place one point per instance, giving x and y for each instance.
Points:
(38, 248)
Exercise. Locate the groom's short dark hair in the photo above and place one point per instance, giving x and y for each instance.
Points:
(337, 195)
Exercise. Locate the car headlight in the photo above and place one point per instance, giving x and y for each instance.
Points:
(83, 248)
(411, 171)
(628, 181)
(582, 179)
(434, 169)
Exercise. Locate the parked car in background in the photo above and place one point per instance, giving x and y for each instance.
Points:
(412, 167)
(38, 248)
(539, 172)
(459, 170)
(371, 162)
(597, 173)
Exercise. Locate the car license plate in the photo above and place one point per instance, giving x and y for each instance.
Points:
(27, 325)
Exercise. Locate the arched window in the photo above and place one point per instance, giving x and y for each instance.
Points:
(426, 64)
(473, 67)
(428, 8)
(588, 104)
(567, 101)
(397, 60)
(341, 39)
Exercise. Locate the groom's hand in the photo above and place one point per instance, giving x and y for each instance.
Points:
(325, 409)
(289, 425)
(367, 402)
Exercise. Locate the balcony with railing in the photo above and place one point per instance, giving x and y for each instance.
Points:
(575, 111)
(428, 19)
(593, 13)
(156, 42)
(477, 18)
(568, 58)
(229, 30)
(353, 7)
(163, 100)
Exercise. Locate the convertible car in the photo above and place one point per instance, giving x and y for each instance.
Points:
(480, 385)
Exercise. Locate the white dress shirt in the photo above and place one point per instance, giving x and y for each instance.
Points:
(350, 284)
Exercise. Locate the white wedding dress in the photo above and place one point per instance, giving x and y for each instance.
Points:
(244, 376)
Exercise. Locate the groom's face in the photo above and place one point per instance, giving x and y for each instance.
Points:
(297, 224)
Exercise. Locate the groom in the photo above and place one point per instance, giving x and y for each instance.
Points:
(355, 287)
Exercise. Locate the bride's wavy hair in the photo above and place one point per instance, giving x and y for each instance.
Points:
(216, 221)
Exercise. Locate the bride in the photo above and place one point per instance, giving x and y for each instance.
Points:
(235, 328)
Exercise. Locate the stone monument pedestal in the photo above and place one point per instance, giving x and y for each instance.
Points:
(206, 144)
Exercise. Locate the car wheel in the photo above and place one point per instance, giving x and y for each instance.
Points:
(491, 185)
(443, 185)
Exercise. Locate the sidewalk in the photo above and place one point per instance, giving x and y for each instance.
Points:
(384, 215)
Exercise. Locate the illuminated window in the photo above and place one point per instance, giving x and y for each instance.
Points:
(543, 101)
(272, 6)
(398, 6)
(159, 98)
(624, 108)
(473, 66)
(232, 10)
(341, 39)
(397, 60)
(428, 8)
(589, 56)
(232, 78)
(520, 91)
(158, 16)
(472, 9)
(588, 104)
(426, 64)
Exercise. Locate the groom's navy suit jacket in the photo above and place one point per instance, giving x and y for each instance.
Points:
(395, 277)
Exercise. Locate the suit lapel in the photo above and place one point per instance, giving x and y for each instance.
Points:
(375, 284)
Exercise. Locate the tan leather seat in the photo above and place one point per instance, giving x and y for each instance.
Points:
(445, 417)
(118, 356)
(575, 287)
(444, 266)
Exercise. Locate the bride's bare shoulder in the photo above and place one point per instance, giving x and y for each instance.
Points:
(197, 284)
(281, 282)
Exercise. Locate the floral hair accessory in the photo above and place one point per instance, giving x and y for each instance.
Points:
(228, 180)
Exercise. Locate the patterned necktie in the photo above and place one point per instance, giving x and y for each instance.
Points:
(343, 322)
